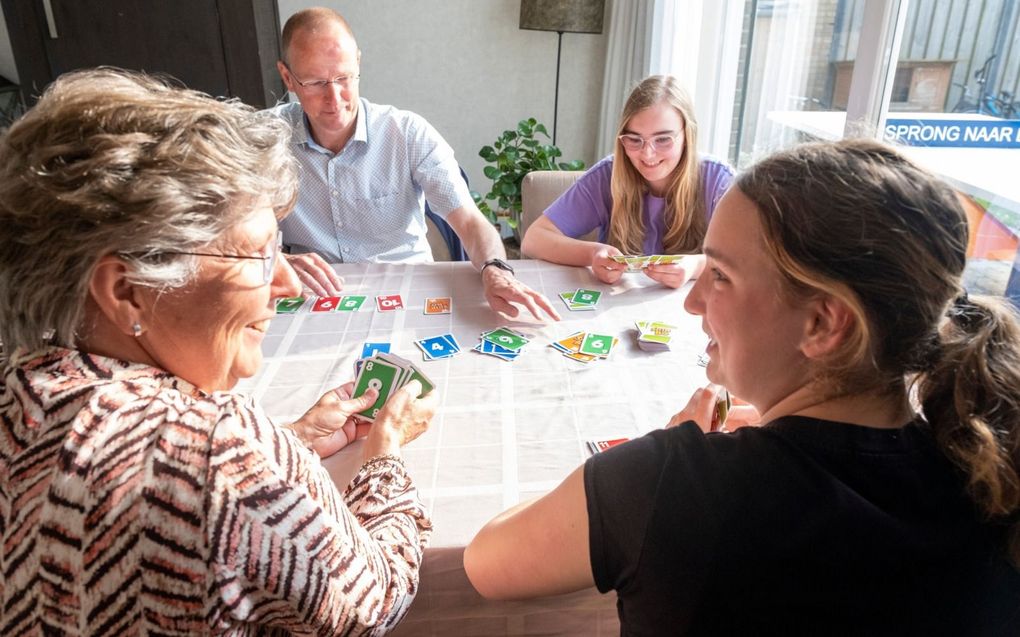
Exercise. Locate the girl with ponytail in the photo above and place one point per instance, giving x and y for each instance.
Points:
(881, 496)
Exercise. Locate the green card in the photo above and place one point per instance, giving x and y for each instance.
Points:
(586, 297)
(597, 344)
(289, 305)
(381, 375)
(350, 303)
(506, 338)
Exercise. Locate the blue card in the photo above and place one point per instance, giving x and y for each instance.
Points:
(438, 347)
(368, 349)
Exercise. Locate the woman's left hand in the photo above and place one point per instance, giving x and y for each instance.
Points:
(676, 274)
(701, 409)
(329, 426)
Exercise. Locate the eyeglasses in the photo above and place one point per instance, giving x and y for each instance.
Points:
(343, 81)
(659, 143)
(268, 260)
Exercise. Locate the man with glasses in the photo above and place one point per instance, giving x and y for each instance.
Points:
(366, 170)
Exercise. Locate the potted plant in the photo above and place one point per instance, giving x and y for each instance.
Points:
(515, 153)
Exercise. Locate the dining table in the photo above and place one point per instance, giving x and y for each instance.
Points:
(505, 431)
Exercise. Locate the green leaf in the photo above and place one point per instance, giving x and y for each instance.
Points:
(513, 222)
(574, 164)
(508, 189)
(524, 128)
(492, 172)
(541, 129)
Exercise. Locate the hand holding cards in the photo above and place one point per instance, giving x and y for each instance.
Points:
(636, 263)
(386, 373)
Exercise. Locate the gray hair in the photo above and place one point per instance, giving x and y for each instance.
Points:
(117, 162)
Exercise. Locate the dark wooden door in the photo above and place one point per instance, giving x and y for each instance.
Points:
(221, 47)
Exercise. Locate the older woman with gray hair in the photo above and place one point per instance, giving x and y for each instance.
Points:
(138, 273)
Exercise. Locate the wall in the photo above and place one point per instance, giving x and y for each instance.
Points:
(466, 67)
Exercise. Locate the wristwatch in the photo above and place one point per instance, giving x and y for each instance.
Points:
(499, 263)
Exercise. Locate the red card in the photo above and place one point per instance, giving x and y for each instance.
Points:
(326, 304)
(389, 302)
(598, 446)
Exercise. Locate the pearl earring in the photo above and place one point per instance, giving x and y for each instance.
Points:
(136, 329)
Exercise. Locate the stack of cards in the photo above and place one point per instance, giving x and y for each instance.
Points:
(636, 263)
(503, 343)
(598, 446)
(580, 300)
(349, 303)
(585, 347)
(654, 336)
(436, 347)
(387, 373)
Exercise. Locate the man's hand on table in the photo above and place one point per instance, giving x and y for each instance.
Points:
(502, 290)
(315, 274)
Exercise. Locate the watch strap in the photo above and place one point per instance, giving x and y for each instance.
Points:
(499, 263)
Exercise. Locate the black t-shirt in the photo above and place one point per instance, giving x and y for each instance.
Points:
(799, 527)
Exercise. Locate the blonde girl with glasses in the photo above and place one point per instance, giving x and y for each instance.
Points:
(653, 195)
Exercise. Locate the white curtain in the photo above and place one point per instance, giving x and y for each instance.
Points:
(628, 60)
(694, 41)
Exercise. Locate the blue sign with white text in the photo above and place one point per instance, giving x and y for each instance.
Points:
(992, 133)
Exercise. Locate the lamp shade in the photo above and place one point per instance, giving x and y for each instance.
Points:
(567, 16)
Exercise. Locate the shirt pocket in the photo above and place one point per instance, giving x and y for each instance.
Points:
(384, 217)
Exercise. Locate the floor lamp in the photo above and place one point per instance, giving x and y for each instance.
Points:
(562, 16)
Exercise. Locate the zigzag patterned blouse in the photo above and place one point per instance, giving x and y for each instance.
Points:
(132, 503)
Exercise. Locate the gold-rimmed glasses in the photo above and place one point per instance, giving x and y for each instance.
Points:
(268, 260)
(343, 81)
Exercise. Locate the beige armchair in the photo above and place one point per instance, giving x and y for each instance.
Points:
(539, 189)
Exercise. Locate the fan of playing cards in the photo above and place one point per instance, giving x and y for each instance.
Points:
(386, 373)
(636, 263)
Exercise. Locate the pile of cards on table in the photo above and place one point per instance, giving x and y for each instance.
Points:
(346, 303)
(585, 347)
(503, 343)
(436, 347)
(636, 262)
(598, 446)
(581, 299)
(654, 336)
(387, 373)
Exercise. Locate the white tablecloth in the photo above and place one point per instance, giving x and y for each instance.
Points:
(505, 431)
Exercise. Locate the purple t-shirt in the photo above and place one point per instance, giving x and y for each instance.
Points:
(588, 203)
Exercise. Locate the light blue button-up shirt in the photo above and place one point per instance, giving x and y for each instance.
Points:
(366, 203)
